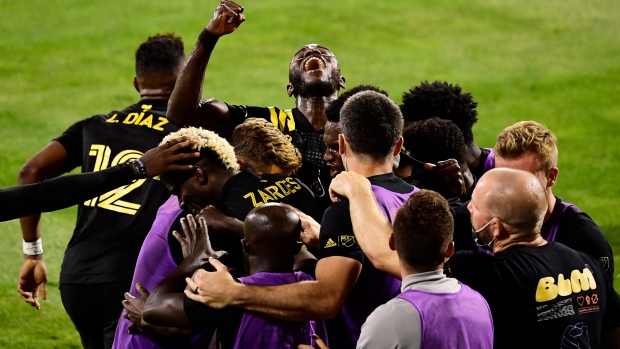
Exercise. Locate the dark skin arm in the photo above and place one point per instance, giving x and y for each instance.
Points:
(186, 106)
(49, 162)
(133, 312)
(164, 307)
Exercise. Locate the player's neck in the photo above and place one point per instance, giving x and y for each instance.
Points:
(550, 204)
(313, 108)
(369, 167)
(154, 94)
(472, 154)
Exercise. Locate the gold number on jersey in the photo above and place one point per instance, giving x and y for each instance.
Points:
(112, 199)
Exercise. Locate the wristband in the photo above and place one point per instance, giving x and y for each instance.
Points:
(138, 167)
(207, 39)
(33, 248)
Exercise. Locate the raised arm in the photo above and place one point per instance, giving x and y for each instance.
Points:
(372, 230)
(186, 106)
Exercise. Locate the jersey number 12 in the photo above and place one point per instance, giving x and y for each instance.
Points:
(112, 199)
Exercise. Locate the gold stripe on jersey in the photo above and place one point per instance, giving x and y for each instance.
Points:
(282, 120)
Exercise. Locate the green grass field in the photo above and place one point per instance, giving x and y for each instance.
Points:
(552, 61)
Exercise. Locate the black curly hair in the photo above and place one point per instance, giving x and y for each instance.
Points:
(442, 100)
(434, 140)
(333, 110)
(162, 52)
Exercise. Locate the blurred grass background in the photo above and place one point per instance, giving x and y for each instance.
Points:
(551, 61)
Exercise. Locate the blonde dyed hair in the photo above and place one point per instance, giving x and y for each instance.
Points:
(208, 140)
(528, 136)
(261, 144)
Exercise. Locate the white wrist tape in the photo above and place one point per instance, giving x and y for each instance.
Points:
(33, 248)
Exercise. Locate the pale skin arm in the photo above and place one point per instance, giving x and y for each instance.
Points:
(372, 230)
(302, 301)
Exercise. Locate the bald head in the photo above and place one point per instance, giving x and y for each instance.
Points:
(272, 228)
(516, 197)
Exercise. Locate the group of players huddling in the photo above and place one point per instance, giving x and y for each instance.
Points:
(347, 221)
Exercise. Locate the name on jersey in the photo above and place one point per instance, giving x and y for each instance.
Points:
(139, 119)
(274, 192)
(579, 281)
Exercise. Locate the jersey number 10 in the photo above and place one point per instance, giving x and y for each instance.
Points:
(112, 199)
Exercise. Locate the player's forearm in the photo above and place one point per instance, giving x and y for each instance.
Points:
(301, 301)
(372, 231)
(164, 307)
(58, 193)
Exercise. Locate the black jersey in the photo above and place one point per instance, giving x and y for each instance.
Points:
(373, 287)
(540, 297)
(110, 228)
(247, 190)
(314, 171)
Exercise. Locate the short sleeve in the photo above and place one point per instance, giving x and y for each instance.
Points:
(336, 237)
(238, 113)
(71, 140)
(472, 268)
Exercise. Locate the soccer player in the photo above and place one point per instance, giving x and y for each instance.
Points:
(97, 265)
(447, 101)
(268, 228)
(347, 286)
(216, 180)
(314, 81)
(432, 141)
(541, 294)
(433, 311)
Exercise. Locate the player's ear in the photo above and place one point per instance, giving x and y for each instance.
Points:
(342, 83)
(200, 174)
(290, 90)
(392, 243)
(552, 176)
(135, 83)
(342, 144)
(398, 146)
(450, 250)
(242, 163)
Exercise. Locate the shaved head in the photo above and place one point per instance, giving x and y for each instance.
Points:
(516, 197)
(272, 228)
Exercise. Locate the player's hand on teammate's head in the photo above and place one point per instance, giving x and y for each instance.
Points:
(196, 244)
(165, 158)
(32, 280)
(309, 228)
(227, 18)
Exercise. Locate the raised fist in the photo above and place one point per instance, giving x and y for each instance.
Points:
(227, 18)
